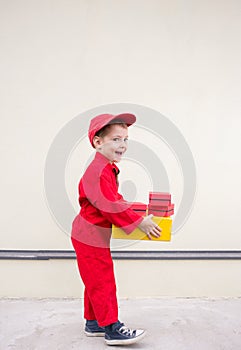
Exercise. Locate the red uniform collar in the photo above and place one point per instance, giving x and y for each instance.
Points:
(103, 160)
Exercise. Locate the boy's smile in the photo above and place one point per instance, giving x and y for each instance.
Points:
(114, 144)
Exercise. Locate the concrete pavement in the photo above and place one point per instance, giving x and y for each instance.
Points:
(171, 324)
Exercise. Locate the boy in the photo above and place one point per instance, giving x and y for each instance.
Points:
(102, 205)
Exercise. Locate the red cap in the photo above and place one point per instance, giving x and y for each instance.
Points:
(102, 120)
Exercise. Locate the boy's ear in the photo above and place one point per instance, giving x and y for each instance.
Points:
(97, 141)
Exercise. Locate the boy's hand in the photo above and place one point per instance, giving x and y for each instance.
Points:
(150, 227)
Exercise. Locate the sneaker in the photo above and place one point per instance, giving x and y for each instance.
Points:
(93, 330)
(119, 334)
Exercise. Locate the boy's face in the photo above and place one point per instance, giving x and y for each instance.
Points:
(114, 144)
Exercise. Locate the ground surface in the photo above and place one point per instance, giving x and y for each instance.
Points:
(171, 324)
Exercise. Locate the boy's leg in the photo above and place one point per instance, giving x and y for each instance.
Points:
(97, 272)
(88, 309)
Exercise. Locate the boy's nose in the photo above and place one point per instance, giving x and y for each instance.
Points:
(123, 144)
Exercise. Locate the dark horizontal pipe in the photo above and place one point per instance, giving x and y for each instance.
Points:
(125, 255)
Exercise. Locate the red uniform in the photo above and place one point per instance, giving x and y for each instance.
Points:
(101, 205)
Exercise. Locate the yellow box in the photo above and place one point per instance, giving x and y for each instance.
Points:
(165, 223)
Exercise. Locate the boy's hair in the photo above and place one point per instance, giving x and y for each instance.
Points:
(104, 131)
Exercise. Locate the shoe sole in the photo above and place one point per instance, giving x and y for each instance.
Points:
(126, 341)
(100, 334)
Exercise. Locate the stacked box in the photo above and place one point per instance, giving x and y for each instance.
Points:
(164, 223)
(161, 210)
(139, 208)
(163, 197)
(160, 204)
(161, 207)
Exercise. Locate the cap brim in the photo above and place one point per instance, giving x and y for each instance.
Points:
(126, 118)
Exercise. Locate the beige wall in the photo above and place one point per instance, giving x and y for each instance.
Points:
(134, 279)
(61, 58)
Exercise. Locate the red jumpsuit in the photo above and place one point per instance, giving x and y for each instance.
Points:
(101, 205)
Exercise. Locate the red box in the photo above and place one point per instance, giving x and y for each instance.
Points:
(140, 212)
(158, 206)
(161, 212)
(138, 206)
(164, 202)
(155, 206)
(160, 196)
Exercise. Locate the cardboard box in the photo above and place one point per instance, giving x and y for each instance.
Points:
(139, 208)
(161, 196)
(161, 212)
(160, 206)
(159, 202)
(165, 223)
(140, 212)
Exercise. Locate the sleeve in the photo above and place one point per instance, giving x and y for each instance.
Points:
(117, 210)
(105, 197)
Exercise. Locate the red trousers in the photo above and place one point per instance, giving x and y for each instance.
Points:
(97, 272)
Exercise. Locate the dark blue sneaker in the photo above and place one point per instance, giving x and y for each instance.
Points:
(119, 334)
(93, 330)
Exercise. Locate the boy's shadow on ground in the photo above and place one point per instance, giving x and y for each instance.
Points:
(139, 346)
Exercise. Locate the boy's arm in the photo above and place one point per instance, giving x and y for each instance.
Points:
(115, 208)
(112, 205)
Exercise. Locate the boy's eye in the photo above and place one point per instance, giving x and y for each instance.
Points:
(117, 139)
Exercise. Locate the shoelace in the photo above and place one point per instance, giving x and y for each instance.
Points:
(127, 331)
